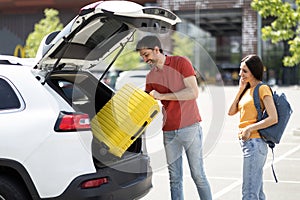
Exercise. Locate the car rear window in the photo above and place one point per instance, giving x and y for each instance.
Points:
(8, 97)
(71, 91)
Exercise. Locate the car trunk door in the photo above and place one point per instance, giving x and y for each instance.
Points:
(97, 31)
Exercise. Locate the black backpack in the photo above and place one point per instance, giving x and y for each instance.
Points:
(272, 134)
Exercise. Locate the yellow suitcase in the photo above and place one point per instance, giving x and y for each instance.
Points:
(124, 118)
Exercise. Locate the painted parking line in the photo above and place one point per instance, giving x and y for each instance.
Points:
(267, 166)
(227, 189)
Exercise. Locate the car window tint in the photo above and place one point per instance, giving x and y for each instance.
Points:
(71, 91)
(8, 98)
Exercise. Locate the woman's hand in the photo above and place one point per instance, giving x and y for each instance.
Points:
(244, 134)
(242, 84)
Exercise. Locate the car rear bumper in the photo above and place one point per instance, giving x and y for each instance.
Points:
(122, 184)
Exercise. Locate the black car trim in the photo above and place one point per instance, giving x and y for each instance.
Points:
(118, 188)
(114, 189)
(17, 170)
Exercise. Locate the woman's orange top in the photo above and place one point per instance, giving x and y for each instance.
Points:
(248, 113)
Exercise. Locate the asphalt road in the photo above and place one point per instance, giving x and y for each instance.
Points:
(223, 157)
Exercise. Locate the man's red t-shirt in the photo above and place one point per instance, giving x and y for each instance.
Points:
(177, 114)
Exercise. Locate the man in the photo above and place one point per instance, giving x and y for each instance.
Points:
(172, 81)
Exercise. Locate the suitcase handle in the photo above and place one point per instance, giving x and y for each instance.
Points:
(139, 131)
(153, 114)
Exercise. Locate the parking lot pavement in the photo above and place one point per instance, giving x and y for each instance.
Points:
(223, 157)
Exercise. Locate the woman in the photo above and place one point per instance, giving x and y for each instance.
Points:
(254, 148)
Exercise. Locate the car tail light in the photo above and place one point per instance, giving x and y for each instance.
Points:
(68, 121)
(94, 183)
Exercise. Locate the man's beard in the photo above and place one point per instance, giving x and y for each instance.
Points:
(151, 63)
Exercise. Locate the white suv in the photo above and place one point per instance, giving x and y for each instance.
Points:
(135, 77)
(47, 148)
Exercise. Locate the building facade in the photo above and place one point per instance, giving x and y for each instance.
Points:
(221, 18)
(17, 19)
(230, 27)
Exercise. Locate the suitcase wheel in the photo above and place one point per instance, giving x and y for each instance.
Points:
(103, 149)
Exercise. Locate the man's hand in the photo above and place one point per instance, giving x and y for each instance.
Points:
(156, 95)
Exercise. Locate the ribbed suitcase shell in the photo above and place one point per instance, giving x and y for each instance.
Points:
(124, 118)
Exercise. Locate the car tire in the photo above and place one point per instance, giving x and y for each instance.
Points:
(11, 189)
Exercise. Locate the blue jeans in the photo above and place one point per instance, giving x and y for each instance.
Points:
(255, 154)
(188, 139)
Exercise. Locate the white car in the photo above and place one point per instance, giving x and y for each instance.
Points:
(135, 77)
(47, 148)
(13, 60)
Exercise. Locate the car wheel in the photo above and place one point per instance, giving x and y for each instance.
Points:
(11, 189)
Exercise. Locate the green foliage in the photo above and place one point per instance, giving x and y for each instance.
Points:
(49, 24)
(127, 61)
(129, 58)
(284, 27)
(183, 46)
(295, 53)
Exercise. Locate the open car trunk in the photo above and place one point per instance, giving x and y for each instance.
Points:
(95, 37)
(88, 95)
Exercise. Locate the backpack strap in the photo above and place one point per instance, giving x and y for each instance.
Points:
(259, 116)
(272, 164)
(257, 101)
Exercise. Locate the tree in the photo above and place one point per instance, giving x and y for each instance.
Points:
(49, 24)
(284, 27)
